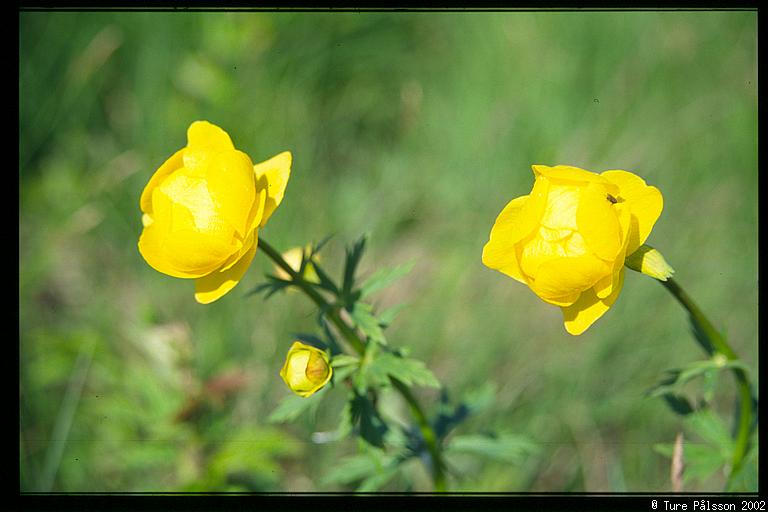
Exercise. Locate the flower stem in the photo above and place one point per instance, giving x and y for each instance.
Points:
(354, 340)
(715, 343)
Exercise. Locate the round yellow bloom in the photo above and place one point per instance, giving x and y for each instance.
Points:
(306, 369)
(567, 240)
(203, 209)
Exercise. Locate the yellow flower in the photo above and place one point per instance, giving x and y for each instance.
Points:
(567, 240)
(293, 258)
(306, 369)
(203, 209)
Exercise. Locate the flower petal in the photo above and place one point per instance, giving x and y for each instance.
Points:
(187, 238)
(216, 284)
(232, 188)
(564, 277)
(173, 163)
(645, 201)
(272, 175)
(205, 135)
(569, 173)
(585, 311)
(499, 252)
(598, 222)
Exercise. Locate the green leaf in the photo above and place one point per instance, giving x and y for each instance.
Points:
(410, 371)
(325, 281)
(678, 403)
(710, 427)
(362, 314)
(293, 406)
(272, 286)
(354, 254)
(364, 414)
(344, 360)
(345, 421)
(343, 372)
(509, 448)
(701, 461)
(383, 278)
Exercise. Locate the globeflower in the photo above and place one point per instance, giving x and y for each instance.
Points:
(202, 210)
(567, 240)
(306, 369)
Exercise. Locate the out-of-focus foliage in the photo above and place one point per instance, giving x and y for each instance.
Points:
(415, 128)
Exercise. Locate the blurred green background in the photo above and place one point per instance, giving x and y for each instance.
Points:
(416, 128)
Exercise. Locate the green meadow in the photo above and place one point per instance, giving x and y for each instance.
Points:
(415, 128)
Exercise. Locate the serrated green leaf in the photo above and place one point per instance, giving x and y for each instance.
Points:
(409, 371)
(292, 406)
(710, 427)
(678, 403)
(353, 256)
(272, 286)
(383, 278)
(325, 281)
(345, 421)
(701, 461)
(332, 342)
(362, 315)
(343, 372)
(510, 448)
(371, 425)
(344, 360)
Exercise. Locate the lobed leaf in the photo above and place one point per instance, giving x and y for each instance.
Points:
(292, 406)
(383, 278)
(362, 315)
(371, 425)
(510, 448)
(410, 371)
(353, 256)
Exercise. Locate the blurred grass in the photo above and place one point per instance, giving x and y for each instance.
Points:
(416, 128)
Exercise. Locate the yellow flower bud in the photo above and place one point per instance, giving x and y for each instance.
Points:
(293, 258)
(306, 369)
(203, 207)
(650, 262)
(567, 240)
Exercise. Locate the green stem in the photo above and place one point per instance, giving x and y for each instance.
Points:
(718, 345)
(333, 314)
